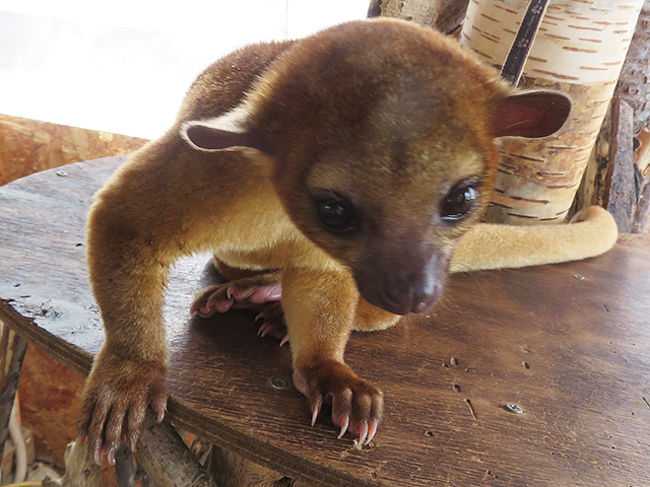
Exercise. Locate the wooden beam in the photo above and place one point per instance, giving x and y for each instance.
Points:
(641, 222)
(621, 192)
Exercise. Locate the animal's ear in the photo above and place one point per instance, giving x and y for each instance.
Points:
(223, 132)
(531, 114)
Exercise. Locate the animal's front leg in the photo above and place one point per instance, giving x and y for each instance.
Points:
(319, 310)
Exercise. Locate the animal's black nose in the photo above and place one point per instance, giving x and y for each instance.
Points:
(403, 294)
(403, 282)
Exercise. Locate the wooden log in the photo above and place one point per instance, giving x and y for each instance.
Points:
(641, 223)
(164, 457)
(634, 82)
(12, 353)
(620, 189)
(80, 469)
(424, 12)
(161, 454)
(451, 15)
(444, 15)
(634, 88)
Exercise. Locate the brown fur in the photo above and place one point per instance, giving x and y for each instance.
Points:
(387, 113)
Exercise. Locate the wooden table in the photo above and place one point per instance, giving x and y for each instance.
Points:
(569, 344)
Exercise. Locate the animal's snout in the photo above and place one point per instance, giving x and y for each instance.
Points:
(404, 289)
(413, 297)
(424, 294)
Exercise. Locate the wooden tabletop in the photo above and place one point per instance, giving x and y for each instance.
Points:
(569, 344)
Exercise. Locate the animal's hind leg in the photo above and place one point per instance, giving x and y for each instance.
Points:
(272, 318)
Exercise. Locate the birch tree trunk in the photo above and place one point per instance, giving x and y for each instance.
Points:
(579, 50)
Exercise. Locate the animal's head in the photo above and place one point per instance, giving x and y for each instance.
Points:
(382, 136)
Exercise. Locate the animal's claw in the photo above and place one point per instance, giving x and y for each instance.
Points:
(272, 317)
(357, 405)
(133, 441)
(98, 455)
(115, 401)
(315, 410)
(344, 426)
(363, 433)
(251, 292)
(262, 330)
(110, 455)
(372, 430)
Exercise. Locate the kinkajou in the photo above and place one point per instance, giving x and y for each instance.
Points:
(337, 172)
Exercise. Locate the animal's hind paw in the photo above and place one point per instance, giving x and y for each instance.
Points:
(247, 293)
(272, 318)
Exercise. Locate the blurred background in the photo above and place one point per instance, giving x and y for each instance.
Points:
(124, 66)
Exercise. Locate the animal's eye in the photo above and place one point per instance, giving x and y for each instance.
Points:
(335, 214)
(460, 200)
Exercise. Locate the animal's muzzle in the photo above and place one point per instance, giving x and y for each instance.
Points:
(404, 289)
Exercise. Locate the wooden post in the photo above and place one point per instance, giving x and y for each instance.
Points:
(641, 222)
(444, 15)
(620, 189)
(423, 12)
(634, 82)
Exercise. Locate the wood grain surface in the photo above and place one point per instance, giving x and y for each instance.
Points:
(569, 344)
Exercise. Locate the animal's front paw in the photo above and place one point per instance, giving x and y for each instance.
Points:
(115, 401)
(247, 293)
(357, 405)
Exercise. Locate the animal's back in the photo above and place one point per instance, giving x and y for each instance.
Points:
(223, 85)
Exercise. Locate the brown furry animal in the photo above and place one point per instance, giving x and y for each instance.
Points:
(339, 172)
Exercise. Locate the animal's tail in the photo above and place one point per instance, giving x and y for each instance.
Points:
(591, 232)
